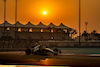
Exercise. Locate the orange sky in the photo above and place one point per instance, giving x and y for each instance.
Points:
(58, 11)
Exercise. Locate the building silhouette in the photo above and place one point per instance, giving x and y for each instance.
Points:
(29, 34)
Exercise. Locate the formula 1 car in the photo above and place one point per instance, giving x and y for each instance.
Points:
(42, 50)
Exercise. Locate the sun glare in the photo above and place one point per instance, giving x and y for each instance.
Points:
(44, 12)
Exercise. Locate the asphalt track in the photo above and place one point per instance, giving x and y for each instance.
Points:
(19, 58)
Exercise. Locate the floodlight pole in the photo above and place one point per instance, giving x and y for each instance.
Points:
(4, 19)
(4, 11)
(15, 21)
(79, 22)
(86, 25)
(15, 11)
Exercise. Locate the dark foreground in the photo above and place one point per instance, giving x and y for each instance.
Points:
(65, 60)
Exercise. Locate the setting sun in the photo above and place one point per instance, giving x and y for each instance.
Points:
(44, 12)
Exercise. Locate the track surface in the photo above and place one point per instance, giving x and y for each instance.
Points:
(61, 59)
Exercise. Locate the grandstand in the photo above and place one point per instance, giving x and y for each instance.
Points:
(21, 36)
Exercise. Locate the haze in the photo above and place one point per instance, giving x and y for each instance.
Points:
(58, 11)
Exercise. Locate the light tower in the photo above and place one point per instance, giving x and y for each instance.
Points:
(4, 18)
(4, 10)
(79, 21)
(86, 23)
(15, 21)
(15, 11)
(15, 16)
